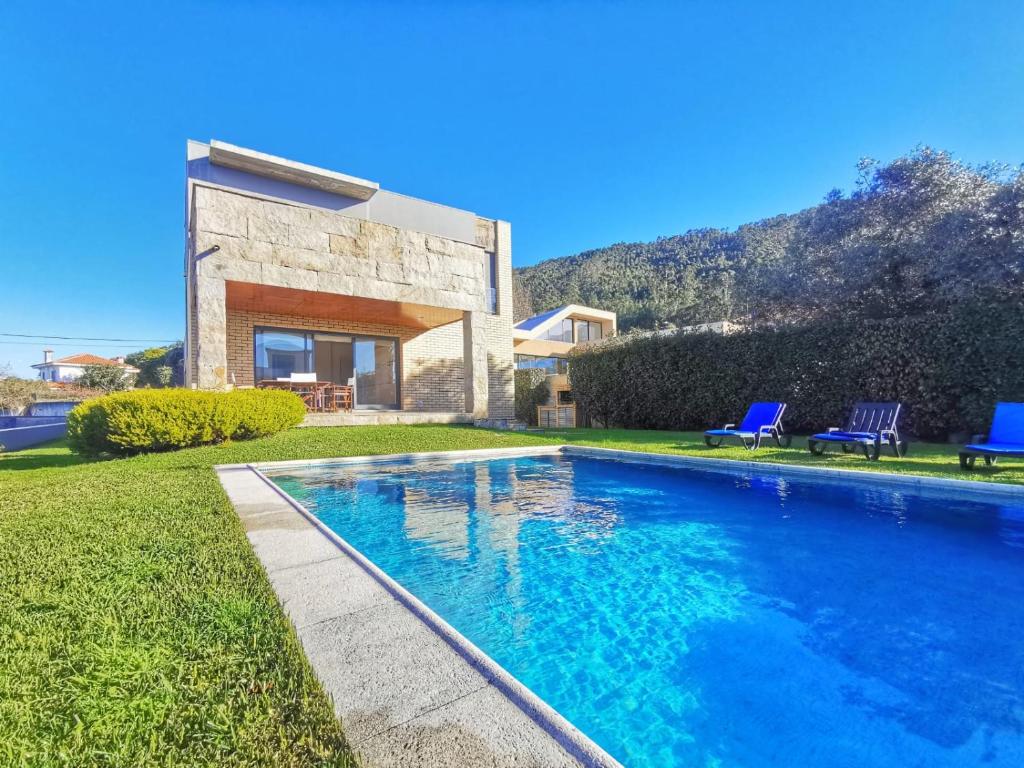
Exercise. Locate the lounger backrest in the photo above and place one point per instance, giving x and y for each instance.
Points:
(1007, 423)
(873, 417)
(762, 415)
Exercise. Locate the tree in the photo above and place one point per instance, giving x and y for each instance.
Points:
(159, 366)
(917, 235)
(16, 393)
(105, 378)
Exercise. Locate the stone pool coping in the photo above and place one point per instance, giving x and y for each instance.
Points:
(917, 483)
(408, 687)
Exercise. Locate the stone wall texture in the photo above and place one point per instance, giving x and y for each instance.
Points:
(247, 239)
(293, 246)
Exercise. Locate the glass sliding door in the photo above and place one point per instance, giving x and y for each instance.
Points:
(333, 357)
(376, 369)
(279, 354)
(367, 363)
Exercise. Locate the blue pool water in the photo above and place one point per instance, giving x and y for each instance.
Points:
(689, 617)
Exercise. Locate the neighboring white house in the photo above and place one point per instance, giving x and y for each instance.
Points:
(68, 369)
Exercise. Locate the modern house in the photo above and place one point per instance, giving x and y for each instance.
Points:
(69, 369)
(545, 341)
(292, 269)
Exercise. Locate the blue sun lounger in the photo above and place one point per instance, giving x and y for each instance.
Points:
(870, 425)
(762, 420)
(1006, 438)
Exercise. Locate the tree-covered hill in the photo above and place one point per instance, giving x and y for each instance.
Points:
(915, 236)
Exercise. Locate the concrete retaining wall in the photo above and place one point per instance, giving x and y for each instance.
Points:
(17, 432)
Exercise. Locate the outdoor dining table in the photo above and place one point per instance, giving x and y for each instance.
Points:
(317, 395)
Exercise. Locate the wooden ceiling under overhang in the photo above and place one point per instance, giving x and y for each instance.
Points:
(334, 306)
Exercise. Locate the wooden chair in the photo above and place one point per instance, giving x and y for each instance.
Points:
(341, 397)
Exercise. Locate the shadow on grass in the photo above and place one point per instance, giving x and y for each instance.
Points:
(44, 456)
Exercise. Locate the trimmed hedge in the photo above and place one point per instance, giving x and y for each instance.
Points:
(948, 370)
(531, 391)
(149, 420)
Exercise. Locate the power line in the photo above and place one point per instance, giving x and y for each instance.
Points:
(62, 344)
(81, 338)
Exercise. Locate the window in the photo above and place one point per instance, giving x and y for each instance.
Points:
(551, 365)
(492, 282)
(376, 369)
(368, 363)
(559, 332)
(587, 330)
(279, 354)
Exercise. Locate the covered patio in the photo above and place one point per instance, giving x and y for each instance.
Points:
(398, 357)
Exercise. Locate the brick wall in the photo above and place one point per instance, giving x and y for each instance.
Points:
(431, 361)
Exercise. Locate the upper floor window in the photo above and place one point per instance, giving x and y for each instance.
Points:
(492, 282)
(559, 332)
(587, 330)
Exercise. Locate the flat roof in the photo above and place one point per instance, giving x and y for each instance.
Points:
(271, 166)
(532, 322)
(528, 328)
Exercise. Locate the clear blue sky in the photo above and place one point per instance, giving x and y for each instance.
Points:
(583, 124)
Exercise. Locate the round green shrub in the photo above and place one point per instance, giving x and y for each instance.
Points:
(149, 420)
(263, 412)
(87, 428)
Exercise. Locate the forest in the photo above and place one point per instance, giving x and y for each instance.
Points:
(916, 236)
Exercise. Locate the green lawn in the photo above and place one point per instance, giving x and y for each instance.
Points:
(137, 627)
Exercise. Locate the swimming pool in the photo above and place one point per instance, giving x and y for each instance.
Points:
(705, 616)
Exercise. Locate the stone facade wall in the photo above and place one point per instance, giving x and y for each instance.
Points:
(432, 371)
(248, 239)
(271, 243)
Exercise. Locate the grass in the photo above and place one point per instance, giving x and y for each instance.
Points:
(137, 627)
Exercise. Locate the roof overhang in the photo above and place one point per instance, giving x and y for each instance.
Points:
(542, 347)
(335, 306)
(270, 166)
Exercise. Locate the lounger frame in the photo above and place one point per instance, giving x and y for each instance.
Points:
(752, 440)
(1006, 419)
(870, 426)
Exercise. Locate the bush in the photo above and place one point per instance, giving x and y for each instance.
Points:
(167, 419)
(159, 367)
(263, 412)
(16, 393)
(531, 391)
(948, 370)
